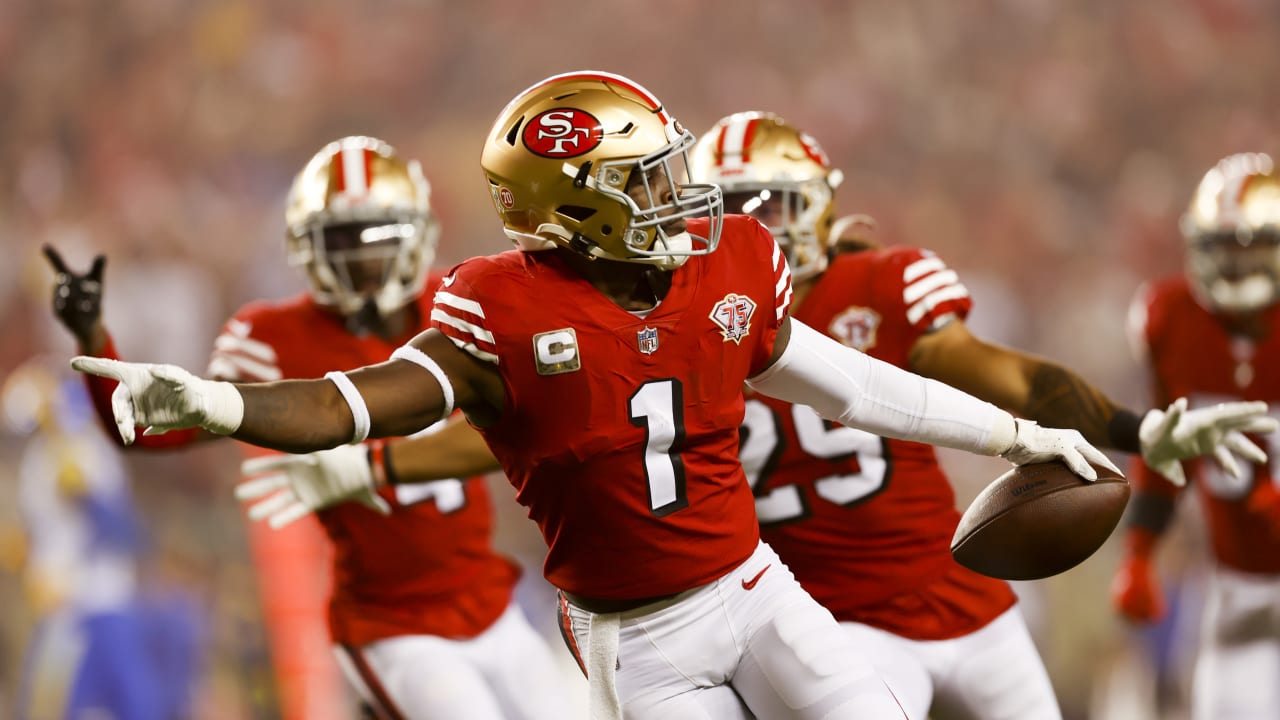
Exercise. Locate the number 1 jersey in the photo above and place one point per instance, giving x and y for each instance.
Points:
(620, 430)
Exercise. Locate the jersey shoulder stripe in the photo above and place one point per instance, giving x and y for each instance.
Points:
(931, 291)
(462, 320)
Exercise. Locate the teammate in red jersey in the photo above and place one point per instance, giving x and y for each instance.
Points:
(862, 521)
(604, 362)
(1210, 334)
(421, 613)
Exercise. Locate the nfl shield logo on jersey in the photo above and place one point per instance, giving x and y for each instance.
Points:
(647, 339)
(733, 316)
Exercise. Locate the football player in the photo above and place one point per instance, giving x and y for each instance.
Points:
(422, 614)
(1212, 333)
(99, 647)
(604, 361)
(865, 522)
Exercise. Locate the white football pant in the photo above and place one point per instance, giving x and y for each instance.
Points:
(1237, 675)
(506, 672)
(993, 673)
(752, 644)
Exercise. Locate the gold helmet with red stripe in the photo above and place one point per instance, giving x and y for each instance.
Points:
(778, 174)
(1232, 229)
(581, 161)
(358, 218)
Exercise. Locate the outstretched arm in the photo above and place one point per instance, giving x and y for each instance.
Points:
(1024, 384)
(1054, 395)
(423, 382)
(855, 389)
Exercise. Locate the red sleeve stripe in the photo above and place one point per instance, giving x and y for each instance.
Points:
(237, 368)
(931, 301)
(230, 343)
(782, 288)
(922, 267)
(927, 284)
(459, 319)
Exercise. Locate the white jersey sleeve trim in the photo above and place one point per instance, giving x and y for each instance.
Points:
(927, 303)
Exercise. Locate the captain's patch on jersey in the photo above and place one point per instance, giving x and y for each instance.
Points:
(856, 327)
(556, 352)
(647, 340)
(733, 316)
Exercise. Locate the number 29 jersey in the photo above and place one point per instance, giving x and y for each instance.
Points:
(858, 518)
(620, 431)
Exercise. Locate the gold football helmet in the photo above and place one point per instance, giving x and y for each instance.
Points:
(584, 161)
(359, 219)
(1232, 229)
(774, 172)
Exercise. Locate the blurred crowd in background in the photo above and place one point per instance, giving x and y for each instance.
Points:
(1044, 149)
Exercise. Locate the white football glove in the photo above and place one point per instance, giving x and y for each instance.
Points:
(165, 397)
(1035, 444)
(1170, 436)
(302, 484)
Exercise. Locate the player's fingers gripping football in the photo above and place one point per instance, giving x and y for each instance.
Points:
(1034, 444)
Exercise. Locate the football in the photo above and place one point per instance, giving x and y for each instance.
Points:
(1038, 520)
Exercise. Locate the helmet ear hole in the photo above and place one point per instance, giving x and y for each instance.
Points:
(576, 212)
(514, 132)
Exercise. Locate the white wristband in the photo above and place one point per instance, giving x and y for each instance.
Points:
(423, 360)
(225, 409)
(359, 411)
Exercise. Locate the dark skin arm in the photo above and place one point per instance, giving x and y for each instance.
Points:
(1030, 386)
(301, 416)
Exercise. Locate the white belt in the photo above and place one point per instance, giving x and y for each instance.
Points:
(602, 664)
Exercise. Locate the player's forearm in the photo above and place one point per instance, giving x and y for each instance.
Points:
(457, 451)
(1058, 397)
(296, 416)
(849, 387)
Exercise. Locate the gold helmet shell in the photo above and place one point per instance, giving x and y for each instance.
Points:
(773, 170)
(356, 203)
(563, 154)
(1232, 230)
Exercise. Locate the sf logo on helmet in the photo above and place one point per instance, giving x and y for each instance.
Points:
(562, 133)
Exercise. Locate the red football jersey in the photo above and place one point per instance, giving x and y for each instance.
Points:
(620, 431)
(429, 567)
(1192, 354)
(859, 518)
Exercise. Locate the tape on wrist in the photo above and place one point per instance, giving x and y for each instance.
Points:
(424, 361)
(355, 401)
